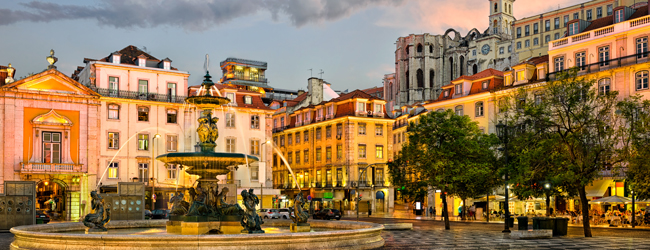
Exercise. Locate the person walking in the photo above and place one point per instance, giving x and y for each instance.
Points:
(431, 212)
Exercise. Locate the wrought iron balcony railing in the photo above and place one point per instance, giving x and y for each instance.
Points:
(134, 95)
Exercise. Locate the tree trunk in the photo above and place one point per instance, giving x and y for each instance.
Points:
(445, 211)
(464, 209)
(585, 211)
(548, 205)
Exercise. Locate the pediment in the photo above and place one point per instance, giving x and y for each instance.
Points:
(52, 118)
(52, 81)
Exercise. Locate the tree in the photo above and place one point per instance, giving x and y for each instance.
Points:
(581, 131)
(450, 153)
(636, 131)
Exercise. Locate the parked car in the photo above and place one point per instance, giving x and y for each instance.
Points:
(147, 214)
(284, 213)
(270, 214)
(328, 214)
(160, 214)
(41, 216)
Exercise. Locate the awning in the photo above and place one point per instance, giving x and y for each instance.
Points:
(598, 188)
(611, 200)
(380, 195)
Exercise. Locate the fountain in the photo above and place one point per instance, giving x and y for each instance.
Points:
(207, 221)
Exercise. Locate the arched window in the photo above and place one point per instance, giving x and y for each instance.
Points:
(419, 48)
(407, 50)
(451, 68)
(496, 7)
(459, 110)
(430, 48)
(642, 80)
(603, 86)
(407, 80)
(479, 109)
(462, 65)
(420, 78)
(390, 90)
(431, 78)
(474, 69)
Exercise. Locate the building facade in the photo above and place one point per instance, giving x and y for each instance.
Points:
(424, 63)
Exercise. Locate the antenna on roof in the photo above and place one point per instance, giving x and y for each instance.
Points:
(311, 72)
(321, 73)
(206, 64)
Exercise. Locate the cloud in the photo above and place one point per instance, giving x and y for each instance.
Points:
(189, 14)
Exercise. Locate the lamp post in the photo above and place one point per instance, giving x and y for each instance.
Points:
(262, 184)
(633, 210)
(358, 199)
(153, 172)
(502, 133)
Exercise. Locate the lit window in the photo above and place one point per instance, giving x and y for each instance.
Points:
(362, 151)
(603, 55)
(248, 100)
(143, 114)
(319, 153)
(113, 111)
(339, 151)
(113, 170)
(379, 152)
(113, 140)
(521, 76)
(171, 116)
(143, 142)
(328, 153)
(255, 147)
(306, 155)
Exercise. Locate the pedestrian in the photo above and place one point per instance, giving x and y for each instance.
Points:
(430, 211)
(434, 213)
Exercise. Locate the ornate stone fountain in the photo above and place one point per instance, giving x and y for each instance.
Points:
(207, 209)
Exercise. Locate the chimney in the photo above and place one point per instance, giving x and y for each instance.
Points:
(315, 89)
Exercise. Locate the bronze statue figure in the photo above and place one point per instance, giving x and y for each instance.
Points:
(199, 207)
(180, 206)
(223, 207)
(204, 130)
(300, 216)
(214, 130)
(99, 216)
(251, 221)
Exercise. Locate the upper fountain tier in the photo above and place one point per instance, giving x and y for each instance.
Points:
(208, 164)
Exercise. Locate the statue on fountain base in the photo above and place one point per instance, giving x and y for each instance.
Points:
(99, 216)
(251, 221)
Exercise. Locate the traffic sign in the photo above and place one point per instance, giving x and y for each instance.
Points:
(309, 197)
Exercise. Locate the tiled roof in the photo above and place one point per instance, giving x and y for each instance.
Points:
(374, 90)
(477, 86)
(256, 97)
(129, 55)
(535, 60)
(609, 20)
(479, 75)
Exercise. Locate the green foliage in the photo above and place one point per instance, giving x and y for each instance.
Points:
(636, 149)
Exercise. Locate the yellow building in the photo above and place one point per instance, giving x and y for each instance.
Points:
(327, 145)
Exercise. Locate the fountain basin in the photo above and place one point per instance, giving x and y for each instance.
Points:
(341, 235)
(208, 165)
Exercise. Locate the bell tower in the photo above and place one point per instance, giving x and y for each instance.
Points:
(501, 17)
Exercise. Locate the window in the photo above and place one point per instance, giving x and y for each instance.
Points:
(171, 92)
(289, 139)
(297, 157)
(538, 99)
(339, 151)
(143, 142)
(589, 15)
(599, 12)
(143, 114)
(379, 152)
(378, 108)
(521, 75)
(459, 110)
(559, 64)
(379, 129)
(230, 145)
(328, 177)
(580, 60)
(446, 93)
(113, 111)
(642, 80)
(51, 147)
(113, 170)
(485, 84)
(361, 107)
(620, 16)
(556, 36)
(281, 122)
(318, 134)
(143, 172)
(255, 121)
(297, 137)
(362, 151)
(379, 176)
(527, 30)
(574, 28)
(501, 50)
(113, 140)
(231, 97)
(479, 109)
(603, 55)
(282, 141)
(474, 52)
(290, 157)
(518, 36)
(603, 86)
(536, 41)
(362, 128)
(143, 88)
(248, 99)
(527, 43)
(339, 130)
(509, 50)
(518, 45)
(419, 48)
(547, 25)
(566, 20)
(459, 89)
(230, 120)
(306, 154)
(319, 114)
(642, 47)
(535, 28)
(319, 177)
(254, 171)
(330, 111)
(113, 86)
(172, 170)
(255, 148)
(328, 153)
(306, 135)
(318, 154)
(609, 10)
(171, 116)
(172, 143)
(328, 132)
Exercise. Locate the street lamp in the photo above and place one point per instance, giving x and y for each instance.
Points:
(502, 133)
(153, 172)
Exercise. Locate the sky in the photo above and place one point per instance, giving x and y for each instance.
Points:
(351, 41)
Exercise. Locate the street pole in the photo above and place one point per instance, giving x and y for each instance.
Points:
(487, 206)
(505, 151)
(153, 172)
(633, 211)
(357, 187)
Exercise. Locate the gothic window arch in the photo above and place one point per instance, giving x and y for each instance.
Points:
(390, 90)
(431, 78)
(451, 68)
(419, 48)
(462, 65)
(430, 48)
(407, 79)
(420, 78)
(474, 69)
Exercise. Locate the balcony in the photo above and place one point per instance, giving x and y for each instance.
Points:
(280, 129)
(134, 95)
(599, 33)
(51, 167)
(607, 65)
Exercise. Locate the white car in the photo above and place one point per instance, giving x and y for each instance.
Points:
(269, 213)
(284, 213)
